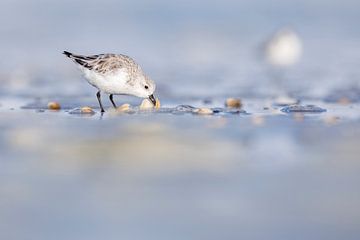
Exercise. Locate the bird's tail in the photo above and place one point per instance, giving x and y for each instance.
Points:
(81, 60)
(68, 54)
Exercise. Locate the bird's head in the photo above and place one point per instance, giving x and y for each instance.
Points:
(145, 88)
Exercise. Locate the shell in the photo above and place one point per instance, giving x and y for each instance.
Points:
(233, 103)
(54, 106)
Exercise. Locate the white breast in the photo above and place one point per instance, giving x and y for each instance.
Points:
(113, 83)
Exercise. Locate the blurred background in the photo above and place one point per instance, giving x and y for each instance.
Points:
(186, 46)
(253, 173)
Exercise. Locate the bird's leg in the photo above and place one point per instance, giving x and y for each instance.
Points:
(99, 99)
(112, 101)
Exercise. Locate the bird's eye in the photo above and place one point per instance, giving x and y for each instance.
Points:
(146, 87)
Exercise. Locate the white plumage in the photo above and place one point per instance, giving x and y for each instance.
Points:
(114, 74)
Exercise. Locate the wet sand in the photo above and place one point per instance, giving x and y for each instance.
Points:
(258, 174)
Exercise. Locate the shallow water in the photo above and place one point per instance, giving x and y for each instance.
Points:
(160, 175)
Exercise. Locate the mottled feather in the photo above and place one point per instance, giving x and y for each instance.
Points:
(106, 63)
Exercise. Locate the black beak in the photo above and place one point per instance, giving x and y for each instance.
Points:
(152, 99)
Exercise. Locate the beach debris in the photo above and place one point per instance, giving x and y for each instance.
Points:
(303, 109)
(204, 111)
(146, 104)
(53, 106)
(233, 103)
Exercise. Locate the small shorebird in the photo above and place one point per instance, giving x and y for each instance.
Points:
(283, 49)
(114, 74)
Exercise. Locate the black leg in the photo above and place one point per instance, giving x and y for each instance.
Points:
(112, 101)
(99, 99)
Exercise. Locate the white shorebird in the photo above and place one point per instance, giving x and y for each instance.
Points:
(284, 48)
(114, 74)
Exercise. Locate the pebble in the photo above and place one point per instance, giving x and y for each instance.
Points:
(233, 103)
(54, 106)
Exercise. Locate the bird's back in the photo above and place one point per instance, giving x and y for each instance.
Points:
(105, 63)
(110, 73)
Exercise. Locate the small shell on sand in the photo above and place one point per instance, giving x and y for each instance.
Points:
(123, 108)
(204, 111)
(87, 110)
(54, 106)
(233, 103)
(146, 104)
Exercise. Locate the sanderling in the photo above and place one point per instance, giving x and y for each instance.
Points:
(114, 74)
(284, 48)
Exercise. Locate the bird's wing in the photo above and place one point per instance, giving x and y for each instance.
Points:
(102, 63)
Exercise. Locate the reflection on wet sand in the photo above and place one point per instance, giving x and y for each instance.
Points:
(209, 176)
